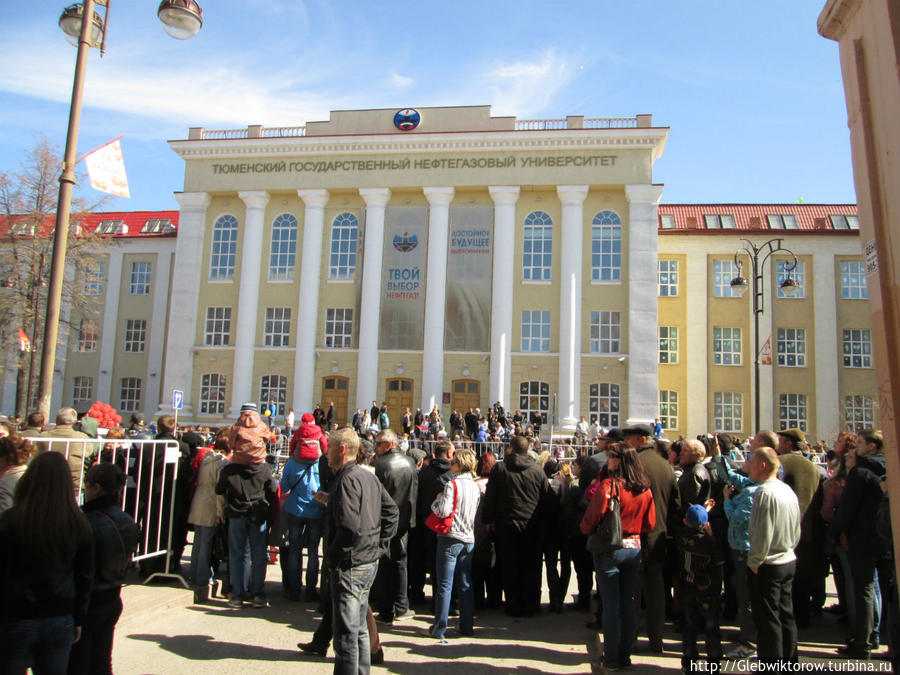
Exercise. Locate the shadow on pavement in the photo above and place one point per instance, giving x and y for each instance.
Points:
(207, 648)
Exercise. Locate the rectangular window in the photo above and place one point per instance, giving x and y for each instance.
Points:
(534, 397)
(666, 221)
(212, 394)
(536, 330)
(782, 222)
(797, 274)
(606, 331)
(792, 411)
(82, 390)
(277, 327)
(668, 344)
(859, 413)
(93, 277)
(667, 278)
(668, 409)
(723, 272)
(719, 221)
(728, 411)
(857, 344)
(726, 346)
(273, 389)
(853, 281)
(791, 346)
(135, 335)
(339, 328)
(140, 278)
(218, 326)
(111, 227)
(839, 222)
(130, 394)
(88, 334)
(604, 404)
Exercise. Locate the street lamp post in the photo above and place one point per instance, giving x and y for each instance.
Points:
(181, 19)
(759, 255)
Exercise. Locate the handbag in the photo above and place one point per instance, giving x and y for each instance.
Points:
(442, 525)
(607, 536)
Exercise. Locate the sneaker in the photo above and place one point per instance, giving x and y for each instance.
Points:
(742, 650)
(313, 648)
(260, 602)
(408, 614)
(235, 603)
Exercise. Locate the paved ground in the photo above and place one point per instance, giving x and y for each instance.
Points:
(162, 632)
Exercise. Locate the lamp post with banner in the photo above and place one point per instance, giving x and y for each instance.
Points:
(759, 255)
(181, 19)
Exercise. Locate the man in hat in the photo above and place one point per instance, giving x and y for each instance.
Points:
(668, 504)
(805, 480)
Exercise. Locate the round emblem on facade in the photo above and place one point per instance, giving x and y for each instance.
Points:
(407, 119)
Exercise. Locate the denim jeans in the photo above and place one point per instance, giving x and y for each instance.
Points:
(303, 533)
(617, 579)
(453, 562)
(350, 602)
(43, 644)
(201, 567)
(240, 531)
(747, 632)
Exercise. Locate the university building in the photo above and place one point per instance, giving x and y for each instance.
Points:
(446, 257)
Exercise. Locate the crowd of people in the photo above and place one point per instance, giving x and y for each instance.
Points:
(692, 532)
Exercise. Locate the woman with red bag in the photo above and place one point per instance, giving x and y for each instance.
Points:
(456, 508)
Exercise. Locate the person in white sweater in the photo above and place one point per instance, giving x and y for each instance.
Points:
(774, 534)
(455, 549)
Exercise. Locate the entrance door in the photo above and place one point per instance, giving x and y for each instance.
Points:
(334, 388)
(466, 394)
(399, 397)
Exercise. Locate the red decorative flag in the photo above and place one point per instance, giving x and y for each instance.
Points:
(24, 342)
(766, 354)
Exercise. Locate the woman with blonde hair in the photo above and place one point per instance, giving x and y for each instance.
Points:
(455, 549)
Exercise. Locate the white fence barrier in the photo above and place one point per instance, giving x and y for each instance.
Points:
(151, 470)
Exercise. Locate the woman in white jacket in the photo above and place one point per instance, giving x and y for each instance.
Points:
(455, 550)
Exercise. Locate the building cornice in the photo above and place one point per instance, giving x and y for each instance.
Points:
(653, 139)
(835, 17)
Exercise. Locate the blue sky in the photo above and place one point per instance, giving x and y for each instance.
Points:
(752, 93)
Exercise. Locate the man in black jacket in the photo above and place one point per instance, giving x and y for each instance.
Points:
(360, 521)
(668, 509)
(423, 542)
(515, 488)
(854, 530)
(694, 484)
(397, 472)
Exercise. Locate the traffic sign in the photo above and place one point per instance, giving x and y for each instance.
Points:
(177, 399)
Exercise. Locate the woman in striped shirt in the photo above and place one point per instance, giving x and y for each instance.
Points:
(453, 559)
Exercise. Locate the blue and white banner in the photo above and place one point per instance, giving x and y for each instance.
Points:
(403, 277)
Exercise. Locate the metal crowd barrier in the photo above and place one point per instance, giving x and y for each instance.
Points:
(151, 471)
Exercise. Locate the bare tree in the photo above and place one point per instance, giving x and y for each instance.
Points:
(28, 199)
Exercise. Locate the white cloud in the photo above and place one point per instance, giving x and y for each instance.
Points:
(526, 87)
(401, 81)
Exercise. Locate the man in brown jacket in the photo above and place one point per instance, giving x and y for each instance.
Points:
(74, 452)
(668, 505)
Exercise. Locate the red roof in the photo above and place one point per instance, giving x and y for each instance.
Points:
(133, 221)
(809, 217)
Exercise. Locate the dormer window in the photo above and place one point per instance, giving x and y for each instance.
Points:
(112, 227)
(719, 221)
(22, 229)
(158, 226)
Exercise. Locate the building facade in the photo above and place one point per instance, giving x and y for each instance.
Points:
(446, 257)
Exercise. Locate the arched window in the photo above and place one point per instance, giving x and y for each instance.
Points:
(606, 247)
(538, 247)
(224, 248)
(212, 394)
(344, 235)
(283, 255)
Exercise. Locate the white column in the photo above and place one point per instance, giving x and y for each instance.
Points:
(308, 301)
(370, 303)
(160, 289)
(439, 199)
(826, 294)
(182, 324)
(505, 198)
(108, 327)
(571, 256)
(248, 298)
(643, 369)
